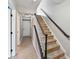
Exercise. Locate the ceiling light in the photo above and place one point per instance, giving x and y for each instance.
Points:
(34, 0)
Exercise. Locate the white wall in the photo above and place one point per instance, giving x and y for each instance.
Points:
(21, 29)
(18, 28)
(61, 38)
(59, 11)
(34, 38)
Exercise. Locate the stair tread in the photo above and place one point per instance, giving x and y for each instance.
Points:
(51, 40)
(50, 36)
(56, 54)
(62, 57)
(43, 26)
(43, 23)
(46, 31)
(52, 47)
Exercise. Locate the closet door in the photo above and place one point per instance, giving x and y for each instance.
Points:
(26, 27)
(9, 32)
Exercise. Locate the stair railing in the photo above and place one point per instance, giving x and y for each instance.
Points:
(62, 31)
(39, 44)
(45, 47)
(45, 56)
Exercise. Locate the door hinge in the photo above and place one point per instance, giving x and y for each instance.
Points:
(11, 50)
(11, 15)
(11, 32)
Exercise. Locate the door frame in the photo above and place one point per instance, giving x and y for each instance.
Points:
(30, 23)
(12, 33)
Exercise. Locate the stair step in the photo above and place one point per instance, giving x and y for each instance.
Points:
(50, 36)
(52, 47)
(42, 22)
(51, 41)
(62, 57)
(59, 54)
(44, 26)
(48, 33)
(45, 29)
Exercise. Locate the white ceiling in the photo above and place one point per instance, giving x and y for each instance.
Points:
(30, 6)
(27, 6)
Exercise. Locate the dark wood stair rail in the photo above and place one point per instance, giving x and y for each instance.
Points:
(45, 47)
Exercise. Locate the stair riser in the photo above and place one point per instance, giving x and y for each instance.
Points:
(52, 42)
(42, 23)
(44, 26)
(63, 57)
(53, 49)
(50, 37)
(44, 29)
(47, 32)
(59, 56)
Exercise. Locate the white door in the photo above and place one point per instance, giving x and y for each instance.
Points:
(9, 30)
(26, 27)
(13, 32)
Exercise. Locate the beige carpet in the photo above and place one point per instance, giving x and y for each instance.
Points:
(25, 50)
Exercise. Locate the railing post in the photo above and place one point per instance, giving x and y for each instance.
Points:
(46, 46)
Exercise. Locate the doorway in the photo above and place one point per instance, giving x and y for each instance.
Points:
(25, 49)
(26, 27)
